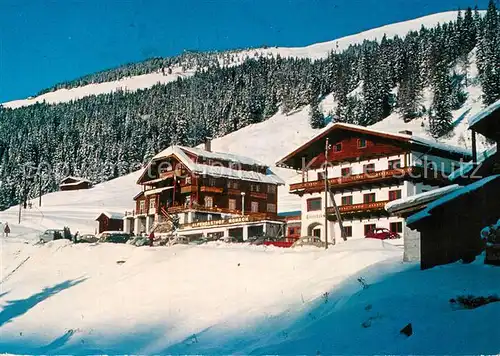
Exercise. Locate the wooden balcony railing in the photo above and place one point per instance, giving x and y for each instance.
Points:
(378, 205)
(318, 185)
(252, 217)
(205, 188)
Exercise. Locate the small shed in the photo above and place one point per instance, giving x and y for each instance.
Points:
(410, 205)
(450, 227)
(110, 221)
(74, 183)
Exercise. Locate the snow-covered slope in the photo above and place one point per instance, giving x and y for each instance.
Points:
(62, 298)
(125, 84)
(314, 51)
(267, 142)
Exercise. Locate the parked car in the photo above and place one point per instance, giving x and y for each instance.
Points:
(119, 237)
(230, 239)
(382, 234)
(261, 239)
(87, 238)
(199, 241)
(309, 241)
(52, 234)
(139, 241)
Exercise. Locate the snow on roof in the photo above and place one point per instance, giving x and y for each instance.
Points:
(441, 146)
(397, 136)
(211, 155)
(216, 170)
(465, 169)
(157, 190)
(111, 215)
(418, 199)
(449, 197)
(77, 179)
(484, 113)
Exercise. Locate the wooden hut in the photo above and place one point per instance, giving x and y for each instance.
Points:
(110, 222)
(74, 183)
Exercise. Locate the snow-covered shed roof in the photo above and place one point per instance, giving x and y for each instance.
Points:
(77, 180)
(449, 197)
(403, 137)
(475, 119)
(217, 170)
(419, 199)
(466, 168)
(111, 215)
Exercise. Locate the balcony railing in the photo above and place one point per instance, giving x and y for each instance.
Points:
(252, 217)
(358, 208)
(319, 185)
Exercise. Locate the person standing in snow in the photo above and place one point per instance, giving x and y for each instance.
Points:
(6, 230)
(151, 238)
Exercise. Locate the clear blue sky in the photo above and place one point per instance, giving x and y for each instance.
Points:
(43, 42)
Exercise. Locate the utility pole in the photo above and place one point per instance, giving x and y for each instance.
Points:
(40, 189)
(326, 194)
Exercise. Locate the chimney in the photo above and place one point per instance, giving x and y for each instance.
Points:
(208, 144)
(406, 132)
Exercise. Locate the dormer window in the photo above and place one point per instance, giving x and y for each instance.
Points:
(337, 147)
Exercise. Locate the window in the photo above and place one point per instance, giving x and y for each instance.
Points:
(152, 203)
(142, 206)
(369, 168)
(394, 194)
(321, 175)
(396, 227)
(346, 172)
(188, 180)
(232, 204)
(271, 208)
(209, 202)
(317, 232)
(231, 184)
(314, 204)
(369, 227)
(348, 231)
(337, 147)
(395, 164)
(361, 143)
(347, 200)
(212, 182)
(369, 198)
(271, 189)
(255, 188)
(254, 207)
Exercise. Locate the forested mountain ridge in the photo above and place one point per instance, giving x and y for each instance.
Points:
(142, 75)
(101, 137)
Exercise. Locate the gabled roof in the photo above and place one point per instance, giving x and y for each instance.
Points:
(111, 215)
(427, 212)
(181, 153)
(421, 199)
(76, 179)
(397, 137)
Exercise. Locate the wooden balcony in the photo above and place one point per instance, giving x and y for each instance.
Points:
(188, 189)
(388, 175)
(208, 189)
(252, 217)
(361, 210)
(258, 195)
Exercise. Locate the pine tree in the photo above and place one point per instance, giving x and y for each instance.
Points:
(490, 56)
(316, 118)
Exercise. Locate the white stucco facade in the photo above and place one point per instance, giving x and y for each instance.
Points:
(313, 221)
